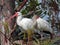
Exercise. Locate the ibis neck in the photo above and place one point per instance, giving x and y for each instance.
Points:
(19, 17)
(35, 17)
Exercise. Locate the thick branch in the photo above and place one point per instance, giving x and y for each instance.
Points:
(21, 6)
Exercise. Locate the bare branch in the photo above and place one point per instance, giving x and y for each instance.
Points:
(21, 6)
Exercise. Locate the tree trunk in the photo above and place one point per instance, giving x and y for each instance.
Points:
(6, 10)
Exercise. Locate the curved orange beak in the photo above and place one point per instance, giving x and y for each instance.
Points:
(15, 15)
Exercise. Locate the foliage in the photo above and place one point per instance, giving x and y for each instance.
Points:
(6, 27)
(46, 41)
(31, 6)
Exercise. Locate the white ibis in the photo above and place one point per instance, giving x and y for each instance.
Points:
(42, 25)
(25, 23)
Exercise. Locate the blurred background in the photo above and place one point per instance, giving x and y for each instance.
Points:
(48, 10)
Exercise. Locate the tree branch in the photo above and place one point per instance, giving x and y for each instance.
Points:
(21, 6)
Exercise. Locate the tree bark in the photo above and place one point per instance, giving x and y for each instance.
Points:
(6, 10)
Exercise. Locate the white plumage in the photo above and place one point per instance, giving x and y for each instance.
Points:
(25, 23)
(42, 24)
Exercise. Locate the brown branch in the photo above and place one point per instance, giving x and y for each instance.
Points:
(12, 31)
(21, 6)
(2, 2)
